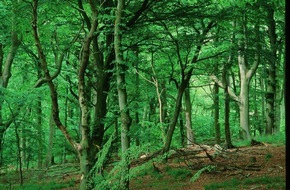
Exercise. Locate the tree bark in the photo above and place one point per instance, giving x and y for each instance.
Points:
(49, 153)
(122, 95)
(188, 120)
(5, 73)
(272, 83)
(185, 78)
(216, 109)
(246, 73)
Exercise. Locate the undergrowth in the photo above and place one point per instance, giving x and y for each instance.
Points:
(265, 182)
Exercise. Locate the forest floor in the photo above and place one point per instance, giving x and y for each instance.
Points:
(191, 168)
(230, 166)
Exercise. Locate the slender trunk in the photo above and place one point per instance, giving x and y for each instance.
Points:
(173, 120)
(271, 72)
(5, 73)
(216, 114)
(188, 121)
(49, 155)
(182, 134)
(184, 83)
(122, 94)
(263, 102)
(270, 100)
(19, 154)
(40, 134)
(228, 140)
(23, 143)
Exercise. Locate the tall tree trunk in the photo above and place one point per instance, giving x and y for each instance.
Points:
(5, 72)
(217, 115)
(83, 148)
(49, 155)
(40, 134)
(246, 73)
(271, 72)
(244, 105)
(122, 94)
(185, 78)
(228, 140)
(137, 95)
(216, 109)
(175, 116)
(48, 78)
(19, 154)
(225, 75)
(188, 120)
(182, 132)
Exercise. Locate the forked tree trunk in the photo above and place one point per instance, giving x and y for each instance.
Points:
(181, 88)
(246, 74)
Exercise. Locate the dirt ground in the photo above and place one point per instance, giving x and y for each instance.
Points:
(240, 163)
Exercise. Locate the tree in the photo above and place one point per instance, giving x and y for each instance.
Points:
(5, 69)
(246, 71)
(122, 94)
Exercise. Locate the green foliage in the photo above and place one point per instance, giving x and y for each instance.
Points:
(196, 176)
(44, 186)
(268, 156)
(265, 182)
(159, 48)
(179, 173)
(275, 139)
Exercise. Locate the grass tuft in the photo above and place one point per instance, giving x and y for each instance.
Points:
(265, 182)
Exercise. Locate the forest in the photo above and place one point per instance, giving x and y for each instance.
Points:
(113, 87)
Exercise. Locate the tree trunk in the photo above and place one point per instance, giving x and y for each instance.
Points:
(5, 71)
(185, 78)
(246, 74)
(271, 72)
(174, 118)
(40, 134)
(228, 140)
(49, 154)
(122, 94)
(188, 121)
(244, 106)
(216, 114)
(225, 75)
(19, 156)
(182, 132)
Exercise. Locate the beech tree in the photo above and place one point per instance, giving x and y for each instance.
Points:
(8, 52)
(105, 73)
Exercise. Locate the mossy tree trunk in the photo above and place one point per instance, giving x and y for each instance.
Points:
(122, 95)
(5, 70)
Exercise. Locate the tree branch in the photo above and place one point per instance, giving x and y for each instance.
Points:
(231, 93)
